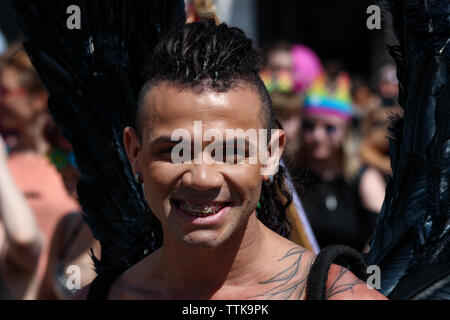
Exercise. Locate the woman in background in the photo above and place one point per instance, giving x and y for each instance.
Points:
(70, 266)
(23, 116)
(343, 205)
(374, 150)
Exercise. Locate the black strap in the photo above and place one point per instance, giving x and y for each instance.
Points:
(338, 254)
(100, 286)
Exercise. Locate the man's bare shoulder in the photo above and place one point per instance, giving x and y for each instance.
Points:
(286, 271)
(342, 284)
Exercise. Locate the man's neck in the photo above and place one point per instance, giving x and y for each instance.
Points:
(204, 273)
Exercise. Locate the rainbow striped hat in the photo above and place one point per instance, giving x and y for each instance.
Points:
(320, 100)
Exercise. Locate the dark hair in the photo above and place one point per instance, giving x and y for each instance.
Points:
(203, 55)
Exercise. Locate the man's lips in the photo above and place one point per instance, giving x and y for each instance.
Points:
(199, 209)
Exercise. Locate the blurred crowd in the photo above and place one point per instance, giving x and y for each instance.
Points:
(337, 128)
(43, 238)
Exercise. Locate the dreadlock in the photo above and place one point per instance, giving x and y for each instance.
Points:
(203, 55)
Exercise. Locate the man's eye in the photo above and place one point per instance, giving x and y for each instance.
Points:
(238, 156)
(166, 150)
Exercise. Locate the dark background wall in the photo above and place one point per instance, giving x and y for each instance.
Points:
(333, 28)
(7, 21)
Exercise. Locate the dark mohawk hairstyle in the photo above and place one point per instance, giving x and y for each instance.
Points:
(204, 51)
(203, 55)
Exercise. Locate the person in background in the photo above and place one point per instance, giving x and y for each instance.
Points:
(72, 240)
(374, 147)
(343, 205)
(387, 85)
(278, 58)
(364, 99)
(23, 116)
(286, 103)
(306, 67)
(288, 73)
(23, 103)
(21, 239)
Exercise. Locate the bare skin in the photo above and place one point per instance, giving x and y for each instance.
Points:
(71, 245)
(21, 240)
(233, 256)
(78, 254)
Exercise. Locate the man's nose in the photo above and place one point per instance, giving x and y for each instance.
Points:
(203, 177)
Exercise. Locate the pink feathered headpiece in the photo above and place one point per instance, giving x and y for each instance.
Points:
(306, 67)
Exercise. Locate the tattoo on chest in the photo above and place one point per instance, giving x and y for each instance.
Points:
(339, 286)
(289, 283)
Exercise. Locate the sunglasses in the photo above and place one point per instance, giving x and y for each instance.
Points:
(5, 92)
(62, 159)
(330, 129)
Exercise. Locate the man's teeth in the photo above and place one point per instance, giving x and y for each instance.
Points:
(200, 210)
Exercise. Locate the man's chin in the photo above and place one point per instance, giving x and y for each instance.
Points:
(203, 239)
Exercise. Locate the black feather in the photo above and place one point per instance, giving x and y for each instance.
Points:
(93, 78)
(413, 229)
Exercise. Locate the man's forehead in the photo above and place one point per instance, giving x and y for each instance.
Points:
(168, 103)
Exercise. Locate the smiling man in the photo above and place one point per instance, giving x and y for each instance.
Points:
(224, 223)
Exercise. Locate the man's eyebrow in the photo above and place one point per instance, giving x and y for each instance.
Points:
(244, 141)
(238, 140)
(162, 139)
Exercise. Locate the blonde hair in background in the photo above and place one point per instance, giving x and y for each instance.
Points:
(17, 58)
(350, 161)
(204, 9)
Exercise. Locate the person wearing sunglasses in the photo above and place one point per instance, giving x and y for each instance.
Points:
(23, 103)
(345, 197)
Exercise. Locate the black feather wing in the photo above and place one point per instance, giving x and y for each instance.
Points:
(93, 78)
(413, 229)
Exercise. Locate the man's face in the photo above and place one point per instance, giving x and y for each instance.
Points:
(198, 204)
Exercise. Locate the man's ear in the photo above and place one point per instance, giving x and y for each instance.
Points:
(275, 151)
(132, 145)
